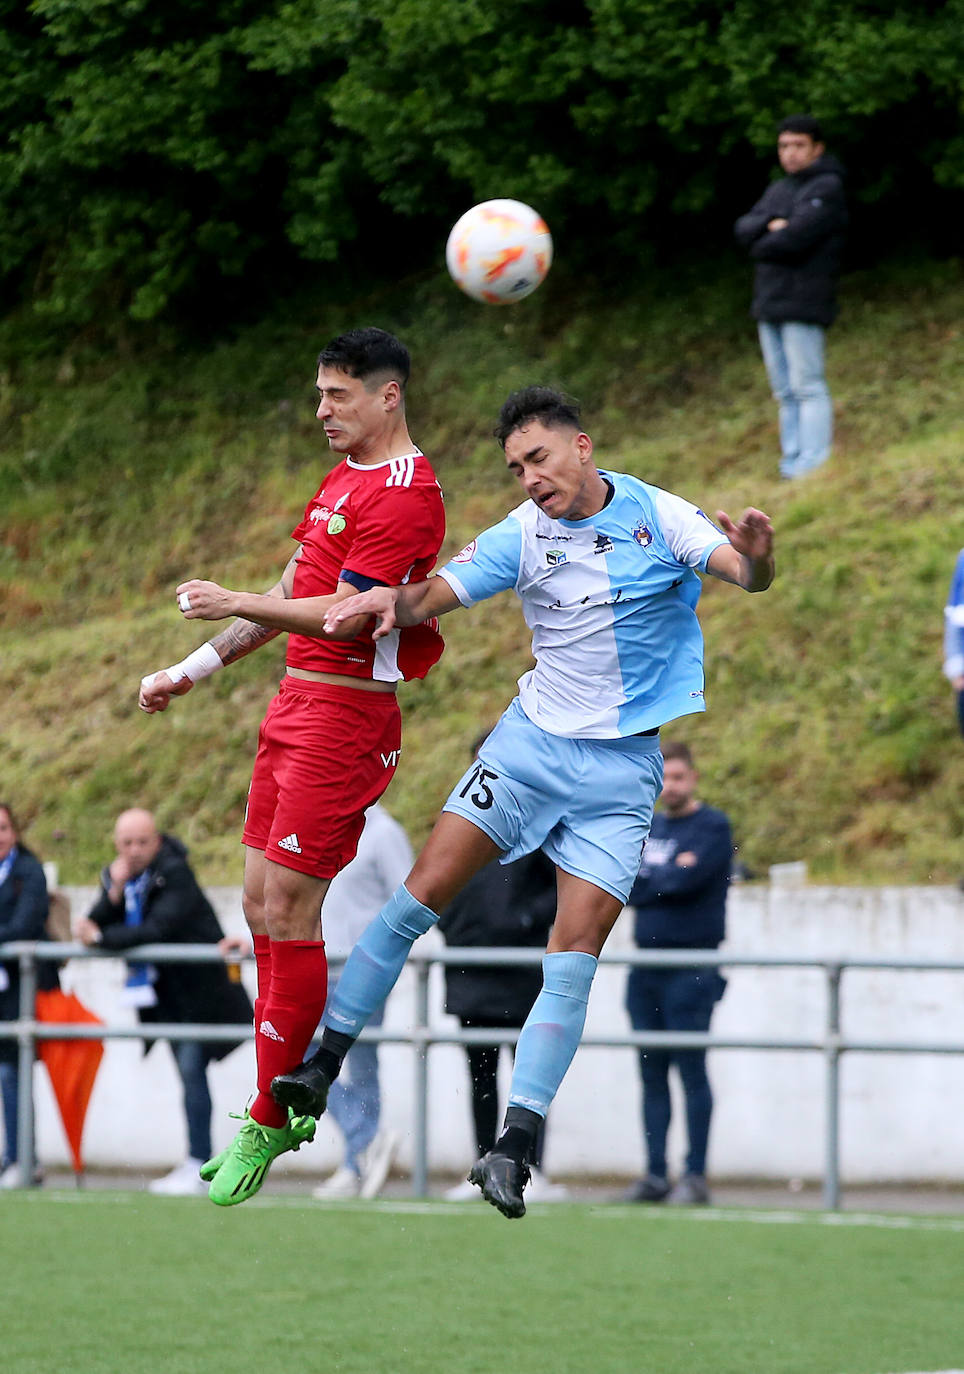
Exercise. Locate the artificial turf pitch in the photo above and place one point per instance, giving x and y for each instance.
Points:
(99, 1282)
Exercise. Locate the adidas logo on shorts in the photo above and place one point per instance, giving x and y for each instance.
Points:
(290, 842)
(266, 1028)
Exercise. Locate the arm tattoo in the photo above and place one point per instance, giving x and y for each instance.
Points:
(240, 638)
(243, 636)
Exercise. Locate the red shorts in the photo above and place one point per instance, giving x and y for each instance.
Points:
(325, 754)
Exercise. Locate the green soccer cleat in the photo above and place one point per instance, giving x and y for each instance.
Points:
(212, 1165)
(302, 1129)
(250, 1155)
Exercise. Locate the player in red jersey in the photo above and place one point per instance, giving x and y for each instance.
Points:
(330, 741)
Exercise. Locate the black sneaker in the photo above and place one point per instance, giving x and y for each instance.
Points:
(652, 1188)
(304, 1090)
(502, 1180)
(691, 1191)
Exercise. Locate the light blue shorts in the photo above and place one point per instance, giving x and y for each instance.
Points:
(587, 803)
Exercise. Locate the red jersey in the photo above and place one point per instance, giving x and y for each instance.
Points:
(380, 522)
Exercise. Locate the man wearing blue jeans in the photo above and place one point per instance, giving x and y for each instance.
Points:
(794, 234)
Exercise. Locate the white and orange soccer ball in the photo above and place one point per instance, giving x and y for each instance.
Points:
(499, 251)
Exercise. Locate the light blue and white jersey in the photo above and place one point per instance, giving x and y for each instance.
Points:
(611, 603)
(954, 622)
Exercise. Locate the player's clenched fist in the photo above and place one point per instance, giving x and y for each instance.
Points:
(199, 600)
(156, 690)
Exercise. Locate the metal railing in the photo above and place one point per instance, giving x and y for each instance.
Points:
(423, 1035)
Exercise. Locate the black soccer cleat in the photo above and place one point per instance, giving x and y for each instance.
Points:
(502, 1180)
(304, 1090)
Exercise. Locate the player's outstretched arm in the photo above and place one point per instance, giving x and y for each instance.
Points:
(747, 561)
(298, 615)
(393, 606)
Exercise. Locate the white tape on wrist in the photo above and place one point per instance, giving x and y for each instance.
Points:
(201, 663)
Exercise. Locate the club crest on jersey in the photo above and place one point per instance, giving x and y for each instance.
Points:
(554, 557)
(467, 554)
(643, 536)
(603, 544)
(336, 524)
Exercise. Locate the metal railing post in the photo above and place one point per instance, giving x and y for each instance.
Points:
(26, 1057)
(420, 1154)
(831, 1180)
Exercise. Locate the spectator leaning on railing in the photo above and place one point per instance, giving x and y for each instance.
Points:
(150, 896)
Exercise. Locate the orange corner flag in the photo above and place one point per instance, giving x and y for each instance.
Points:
(71, 1064)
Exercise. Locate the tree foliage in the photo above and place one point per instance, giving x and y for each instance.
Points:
(152, 153)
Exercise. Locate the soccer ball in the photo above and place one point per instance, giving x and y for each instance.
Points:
(499, 251)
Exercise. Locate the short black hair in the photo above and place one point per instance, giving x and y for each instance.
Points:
(368, 352)
(554, 409)
(676, 749)
(801, 124)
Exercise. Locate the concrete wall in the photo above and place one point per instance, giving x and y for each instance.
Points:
(902, 1117)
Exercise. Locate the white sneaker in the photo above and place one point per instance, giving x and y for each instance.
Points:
(462, 1192)
(343, 1183)
(539, 1189)
(12, 1177)
(376, 1163)
(184, 1181)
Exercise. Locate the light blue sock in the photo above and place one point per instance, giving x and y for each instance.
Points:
(552, 1030)
(373, 966)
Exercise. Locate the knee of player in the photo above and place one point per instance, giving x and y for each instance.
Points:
(254, 913)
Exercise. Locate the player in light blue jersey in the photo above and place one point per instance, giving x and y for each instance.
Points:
(606, 568)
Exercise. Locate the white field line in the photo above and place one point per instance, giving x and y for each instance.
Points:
(606, 1212)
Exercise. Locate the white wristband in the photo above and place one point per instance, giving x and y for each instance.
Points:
(201, 663)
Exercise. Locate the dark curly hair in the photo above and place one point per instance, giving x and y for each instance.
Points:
(554, 409)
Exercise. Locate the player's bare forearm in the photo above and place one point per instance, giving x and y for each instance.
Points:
(394, 606)
(418, 601)
(747, 561)
(260, 616)
(241, 638)
(753, 574)
(304, 615)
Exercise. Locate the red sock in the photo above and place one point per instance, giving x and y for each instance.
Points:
(262, 959)
(289, 1018)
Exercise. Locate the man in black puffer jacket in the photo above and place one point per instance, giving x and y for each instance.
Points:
(149, 895)
(795, 236)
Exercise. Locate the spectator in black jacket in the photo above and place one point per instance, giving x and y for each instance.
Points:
(503, 905)
(795, 235)
(680, 902)
(150, 896)
(23, 916)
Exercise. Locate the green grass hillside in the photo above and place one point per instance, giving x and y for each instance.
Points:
(830, 733)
